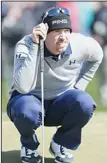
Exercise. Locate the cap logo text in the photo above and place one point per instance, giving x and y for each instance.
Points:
(59, 21)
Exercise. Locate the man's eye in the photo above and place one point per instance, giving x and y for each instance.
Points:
(56, 30)
(67, 30)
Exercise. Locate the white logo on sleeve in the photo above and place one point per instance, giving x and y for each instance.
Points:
(20, 55)
(59, 21)
(72, 62)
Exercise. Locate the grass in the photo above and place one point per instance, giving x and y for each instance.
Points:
(94, 90)
(92, 149)
(4, 95)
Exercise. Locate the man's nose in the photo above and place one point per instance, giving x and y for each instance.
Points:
(61, 38)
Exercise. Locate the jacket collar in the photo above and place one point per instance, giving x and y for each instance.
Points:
(47, 53)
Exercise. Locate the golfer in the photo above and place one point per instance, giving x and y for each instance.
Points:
(70, 62)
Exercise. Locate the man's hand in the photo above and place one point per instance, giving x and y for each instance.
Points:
(39, 31)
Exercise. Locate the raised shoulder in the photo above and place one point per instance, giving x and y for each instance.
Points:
(88, 41)
(26, 40)
(82, 38)
(87, 45)
(93, 49)
(78, 40)
(78, 36)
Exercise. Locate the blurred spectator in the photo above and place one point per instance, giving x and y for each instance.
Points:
(99, 32)
(86, 15)
(4, 12)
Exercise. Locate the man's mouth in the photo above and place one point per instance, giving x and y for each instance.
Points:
(61, 42)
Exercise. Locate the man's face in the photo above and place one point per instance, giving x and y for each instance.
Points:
(57, 41)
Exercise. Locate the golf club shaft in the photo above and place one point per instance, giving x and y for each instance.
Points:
(42, 92)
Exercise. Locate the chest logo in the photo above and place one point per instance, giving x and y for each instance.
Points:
(18, 56)
(72, 62)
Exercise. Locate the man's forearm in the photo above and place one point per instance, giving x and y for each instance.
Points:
(26, 70)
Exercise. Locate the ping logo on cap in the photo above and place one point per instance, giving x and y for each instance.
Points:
(59, 21)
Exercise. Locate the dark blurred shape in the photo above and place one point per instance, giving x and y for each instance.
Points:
(4, 12)
(99, 32)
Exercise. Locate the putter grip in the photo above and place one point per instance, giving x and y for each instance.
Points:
(41, 54)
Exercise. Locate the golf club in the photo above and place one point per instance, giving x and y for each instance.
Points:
(42, 90)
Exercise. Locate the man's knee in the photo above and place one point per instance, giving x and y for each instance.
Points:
(80, 111)
(32, 111)
(85, 103)
(27, 107)
(81, 100)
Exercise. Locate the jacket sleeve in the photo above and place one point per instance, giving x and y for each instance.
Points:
(26, 62)
(93, 58)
